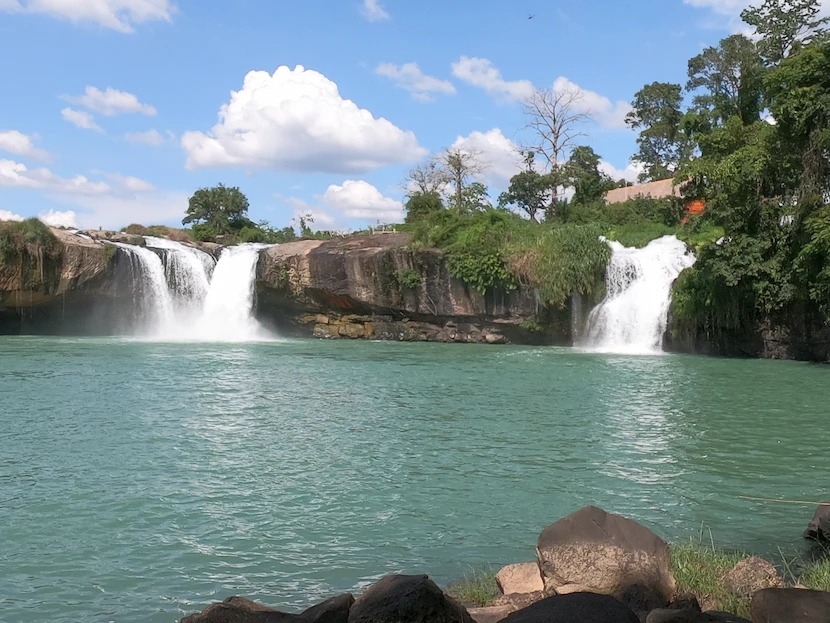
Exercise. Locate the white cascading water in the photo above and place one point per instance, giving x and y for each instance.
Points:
(153, 300)
(632, 318)
(203, 300)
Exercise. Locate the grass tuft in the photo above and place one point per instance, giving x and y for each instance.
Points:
(699, 569)
(477, 588)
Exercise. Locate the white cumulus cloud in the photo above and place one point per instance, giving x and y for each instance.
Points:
(56, 218)
(17, 175)
(5, 215)
(297, 120)
(119, 15)
(110, 102)
(629, 173)
(373, 11)
(358, 199)
(481, 73)
(501, 155)
(607, 113)
(150, 137)
(410, 77)
(20, 144)
(81, 119)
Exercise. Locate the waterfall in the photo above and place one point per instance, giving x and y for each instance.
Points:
(192, 297)
(187, 270)
(632, 317)
(153, 302)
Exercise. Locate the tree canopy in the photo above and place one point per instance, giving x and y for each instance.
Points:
(218, 210)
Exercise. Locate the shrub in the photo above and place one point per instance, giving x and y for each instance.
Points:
(408, 279)
(251, 234)
(163, 231)
(29, 236)
(135, 229)
(699, 569)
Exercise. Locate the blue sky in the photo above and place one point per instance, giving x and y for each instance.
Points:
(111, 108)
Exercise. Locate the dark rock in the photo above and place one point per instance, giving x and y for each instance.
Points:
(690, 615)
(407, 599)
(575, 608)
(686, 601)
(241, 610)
(610, 554)
(790, 605)
(518, 601)
(819, 528)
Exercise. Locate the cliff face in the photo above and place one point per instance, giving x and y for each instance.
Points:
(375, 287)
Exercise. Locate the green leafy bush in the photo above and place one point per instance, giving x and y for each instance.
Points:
(28, 236)
(135, 229)
(408, 279)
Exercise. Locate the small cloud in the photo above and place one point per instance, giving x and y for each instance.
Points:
(20, 144)
(56, 218)
(373, 11)
(480, 72)
(81, 119)
(150, 137)
(5, 215)
(110, 102)
(410, 77)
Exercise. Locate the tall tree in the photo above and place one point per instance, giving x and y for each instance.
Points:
(556, 117)
(783, 25)
(728, 80)
(583, 174)
(462, 167)
(427, 177)
(663, 144)
(221, 209)
(529, 190)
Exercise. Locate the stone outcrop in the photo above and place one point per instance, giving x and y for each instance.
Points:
(407, 599)
(819, 526)
(581, 607)
(752, 575)
(520, 578)
(376, 287)
(241, 610)
(607, 554)
(790, 605)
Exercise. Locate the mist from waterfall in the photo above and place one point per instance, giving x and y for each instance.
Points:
(633, 316)
(185, 295)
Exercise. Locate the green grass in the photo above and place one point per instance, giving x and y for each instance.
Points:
(816, 575)
(30, 235)
(478, 588)
(699, 569)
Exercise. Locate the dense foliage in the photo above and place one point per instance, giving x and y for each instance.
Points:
(27, 236)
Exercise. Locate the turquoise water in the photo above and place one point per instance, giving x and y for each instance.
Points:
(141, 481)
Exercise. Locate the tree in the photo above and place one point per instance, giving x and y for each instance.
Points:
(461, 167)
(663, 144)
(583, 174)
(421, 205)
(784, 25)
(218, 210)
(529, 190)
(426, 178)
(555, 116)
(729, 80)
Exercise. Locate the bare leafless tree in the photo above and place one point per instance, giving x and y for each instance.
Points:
(556, 116)
(460, 166)
(427, 177)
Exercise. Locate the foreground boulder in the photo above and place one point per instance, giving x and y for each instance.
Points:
(575, 608)
(752, 575)
(790, 605)
(690, 615)
(819, 527)
(407, 599)
(521, 578)
(608, 554)
(241, 610)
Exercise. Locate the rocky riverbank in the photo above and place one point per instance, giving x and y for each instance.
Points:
(591, 567)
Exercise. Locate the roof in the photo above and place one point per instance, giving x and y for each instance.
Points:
(655, 190)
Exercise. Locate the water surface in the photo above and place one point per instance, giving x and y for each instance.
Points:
(141, 481)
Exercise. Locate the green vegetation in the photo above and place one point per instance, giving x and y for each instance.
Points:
(109, 252)
(29, 236)
(408, 279)
(699, 569)
(477, 588)
(816, 574)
